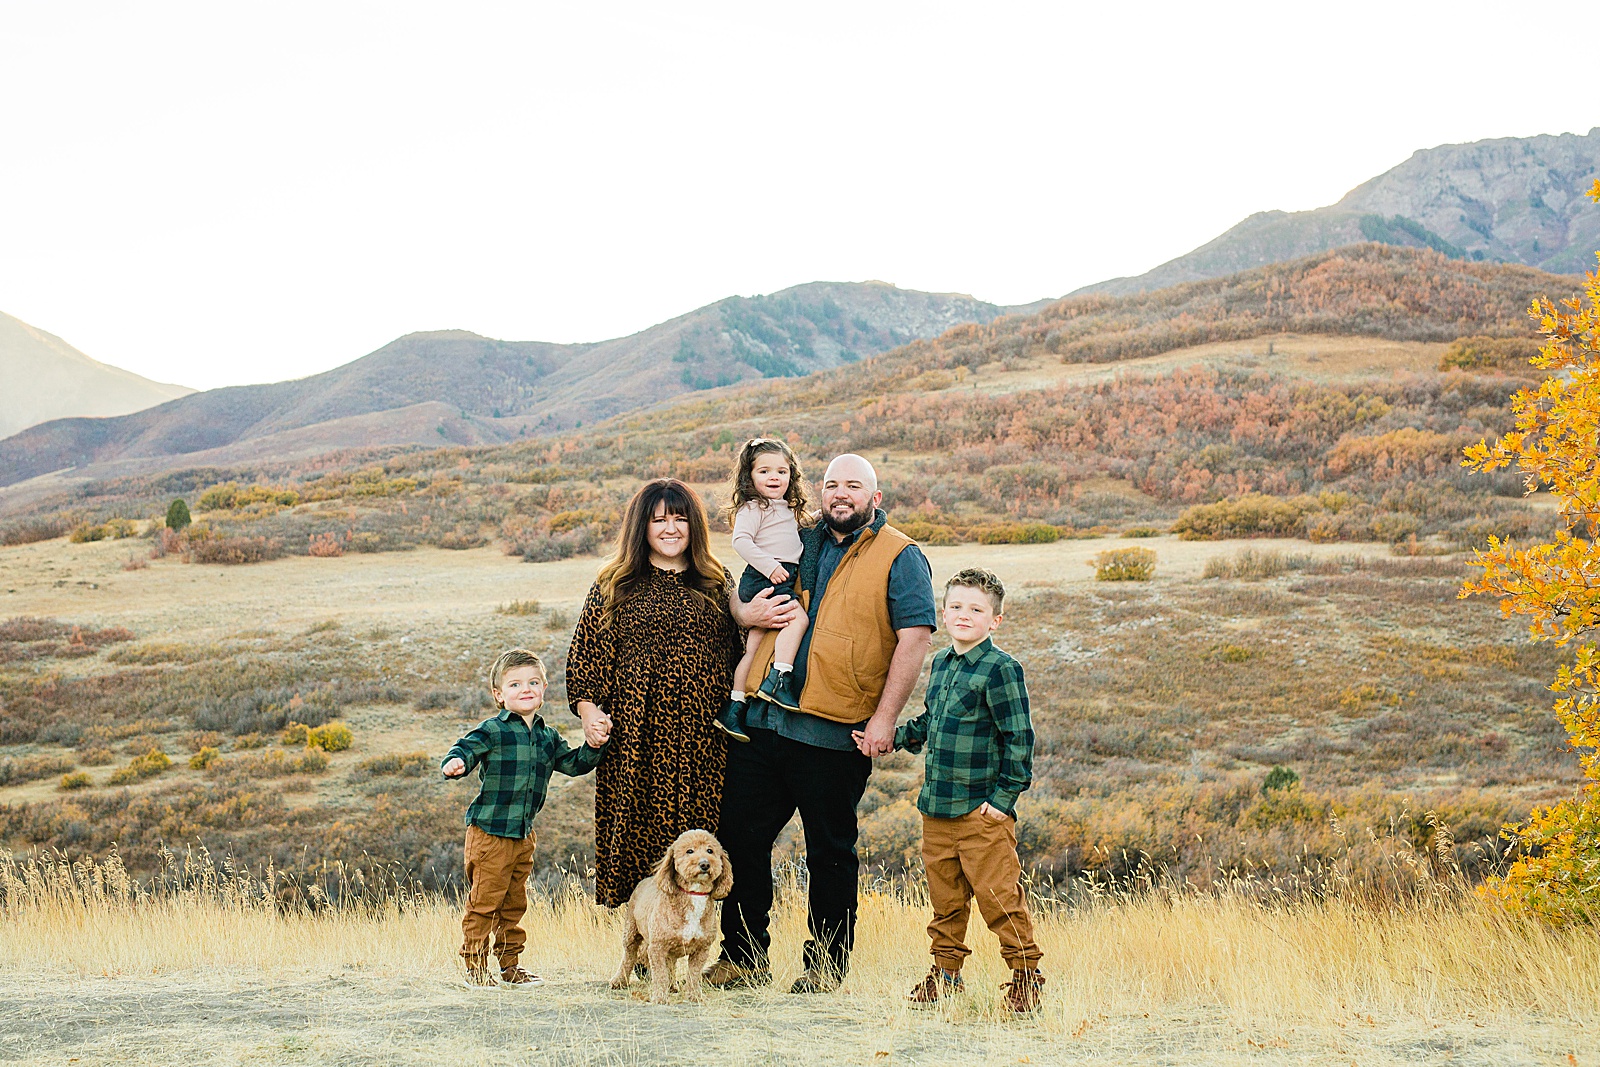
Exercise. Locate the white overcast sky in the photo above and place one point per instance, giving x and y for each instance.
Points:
(216, 193)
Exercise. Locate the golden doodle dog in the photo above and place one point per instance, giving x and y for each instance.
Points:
(673, 913)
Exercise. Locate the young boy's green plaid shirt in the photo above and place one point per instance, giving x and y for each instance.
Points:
(515, 762)
(977, 730)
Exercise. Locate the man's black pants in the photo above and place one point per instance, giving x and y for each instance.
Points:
(768, 779)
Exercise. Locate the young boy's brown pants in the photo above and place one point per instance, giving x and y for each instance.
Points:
(976, 856)
(497, 897)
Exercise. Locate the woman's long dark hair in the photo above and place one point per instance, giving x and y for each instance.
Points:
(627, 572)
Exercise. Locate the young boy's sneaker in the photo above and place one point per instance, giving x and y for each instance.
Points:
(731, 720)
(480, 978)
(779, 689)
(937, 985)
(518, 977)
(1022, 992)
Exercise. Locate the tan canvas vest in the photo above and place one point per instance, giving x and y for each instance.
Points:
(852, 640)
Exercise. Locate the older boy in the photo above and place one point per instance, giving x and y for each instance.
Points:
(515, 753)
(979, 742)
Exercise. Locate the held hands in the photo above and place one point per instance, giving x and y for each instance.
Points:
(877, 739)
(455, 768)
(596, 726)
(779, 574)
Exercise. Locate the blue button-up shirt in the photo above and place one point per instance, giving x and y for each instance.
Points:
(911, 603)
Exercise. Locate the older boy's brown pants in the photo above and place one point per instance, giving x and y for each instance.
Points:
(976, 856)
(497, 896)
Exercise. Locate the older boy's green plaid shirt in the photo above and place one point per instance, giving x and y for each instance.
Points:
(514, 763)
(977, 731)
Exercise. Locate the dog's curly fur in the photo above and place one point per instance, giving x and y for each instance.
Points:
(673, 913)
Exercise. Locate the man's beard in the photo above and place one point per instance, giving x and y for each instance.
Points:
(852, 523)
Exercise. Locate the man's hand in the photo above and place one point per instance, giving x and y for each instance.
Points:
(766, 612)
(860, 739)
(878, 738)
(455, 768)
(911, 646)
(989, 811)
(779, 574)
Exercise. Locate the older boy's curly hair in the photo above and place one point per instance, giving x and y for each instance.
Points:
(511, 659)
(743, 488)
(978, 578)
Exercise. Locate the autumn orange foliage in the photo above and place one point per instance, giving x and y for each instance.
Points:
(1556, 444)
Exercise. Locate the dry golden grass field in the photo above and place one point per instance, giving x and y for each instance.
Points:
(1160, 705)
(210, 976)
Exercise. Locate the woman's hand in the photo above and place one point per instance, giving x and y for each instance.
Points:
(596, 724)
(455, 768)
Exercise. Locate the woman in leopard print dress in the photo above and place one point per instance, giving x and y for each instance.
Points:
(654, 651)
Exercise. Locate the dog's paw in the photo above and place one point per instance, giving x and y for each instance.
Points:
(620, 983)
(660, 998)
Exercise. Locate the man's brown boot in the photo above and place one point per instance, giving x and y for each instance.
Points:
(1022, 992)
(725, 974)
(818, 978)
(938, 984)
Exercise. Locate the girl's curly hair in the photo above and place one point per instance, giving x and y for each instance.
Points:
(743, 489)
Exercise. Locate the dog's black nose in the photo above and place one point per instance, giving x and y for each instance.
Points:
(705, 865)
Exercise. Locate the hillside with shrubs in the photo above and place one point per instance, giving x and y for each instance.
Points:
(1220, 449)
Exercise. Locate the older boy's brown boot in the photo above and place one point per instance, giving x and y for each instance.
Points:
(1022, 992)
(938, 984)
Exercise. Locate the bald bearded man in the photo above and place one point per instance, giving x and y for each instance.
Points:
(868, 590)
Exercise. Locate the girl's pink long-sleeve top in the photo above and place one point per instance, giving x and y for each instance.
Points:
(766, 536)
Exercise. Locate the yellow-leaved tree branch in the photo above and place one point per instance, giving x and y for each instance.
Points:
(1556, 444)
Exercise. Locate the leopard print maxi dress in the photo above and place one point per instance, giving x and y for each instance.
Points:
(661, 671)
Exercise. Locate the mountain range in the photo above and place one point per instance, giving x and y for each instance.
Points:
(1512, 201)
(42, 378)
(1507, 200)
(453, 386)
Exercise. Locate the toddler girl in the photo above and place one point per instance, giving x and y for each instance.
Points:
(769, 503)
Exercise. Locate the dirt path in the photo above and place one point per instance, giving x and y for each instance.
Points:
(359, 1020)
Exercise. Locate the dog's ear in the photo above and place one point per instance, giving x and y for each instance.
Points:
(724, 883)
(666, 872)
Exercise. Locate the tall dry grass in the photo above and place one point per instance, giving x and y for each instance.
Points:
(1166, 950)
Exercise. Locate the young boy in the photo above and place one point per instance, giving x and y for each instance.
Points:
(515, 752)
(979, 759)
